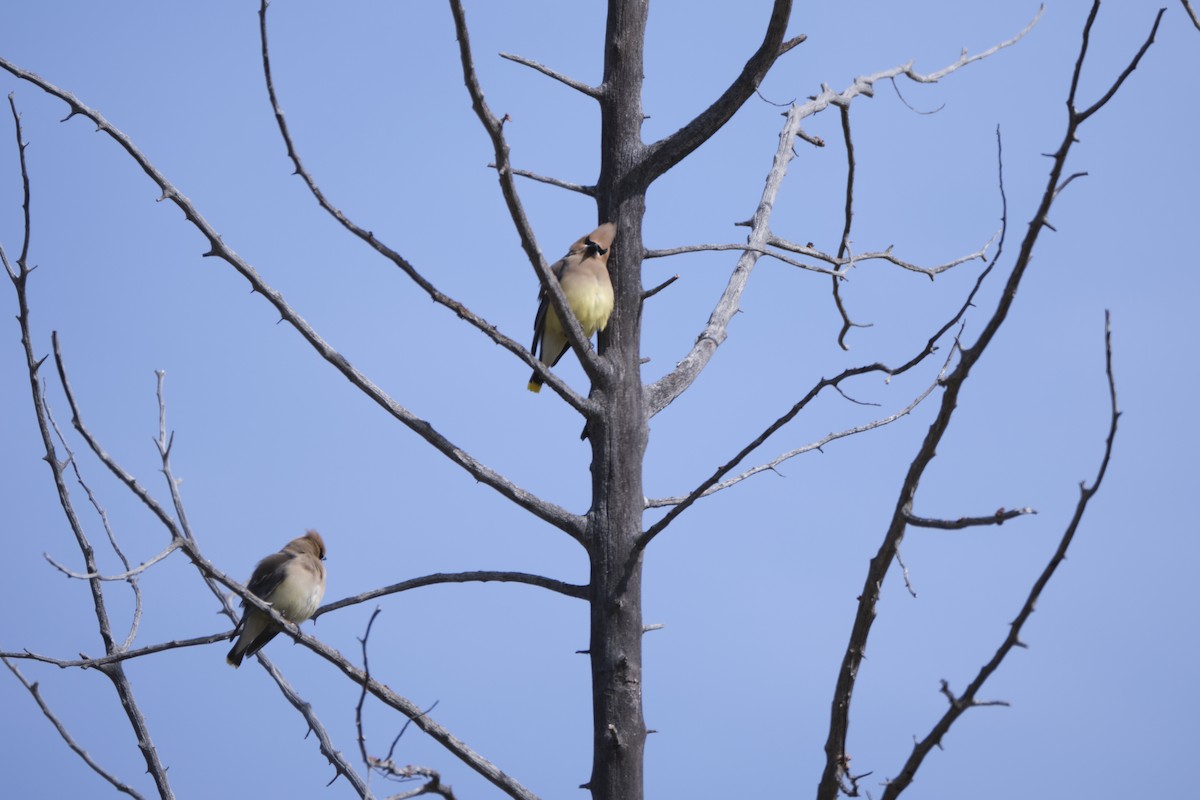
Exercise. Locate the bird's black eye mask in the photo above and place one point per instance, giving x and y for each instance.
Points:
(592, 247)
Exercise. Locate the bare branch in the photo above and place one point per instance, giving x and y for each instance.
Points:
(66, 736)
(433, 781)
(27, 233)
(845, 262)
(579, 86)
(844, 245)
(331, 753)
(904, 572)
(590, 191)
(1082, 116)
(817, 445)
(124, 576)
(136, 617)
(666, 153)
(711, 484)
(1191, 13)
(663, 392)
(835, 745)
(763, 251)
(591, 362)
(968, 699)
(369, 238)
(115, 673)
(549, 512)
(481, 576)
(651, 292)
(362, 697)
(1001, 516)
(86, 662)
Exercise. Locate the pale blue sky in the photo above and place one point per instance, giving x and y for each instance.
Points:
(756, 586)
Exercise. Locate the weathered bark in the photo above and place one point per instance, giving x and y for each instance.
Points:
(619, 437)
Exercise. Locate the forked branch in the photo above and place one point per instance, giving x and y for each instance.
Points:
(969, 698)
(559, 517)
(663, 392)
(835, 746)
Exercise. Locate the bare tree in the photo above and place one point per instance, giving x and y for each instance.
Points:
(621, 521)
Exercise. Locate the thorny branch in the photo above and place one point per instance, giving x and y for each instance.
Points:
(186, 541)
(835, 747)
(663, 392)
(959, 705)
(19, 274)
(456, 746)
(385, 766)
(549, 512)
(592, 364)
(817, 445)
(369, 237)
(36, 693)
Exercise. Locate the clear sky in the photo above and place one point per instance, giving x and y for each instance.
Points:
(756, 586)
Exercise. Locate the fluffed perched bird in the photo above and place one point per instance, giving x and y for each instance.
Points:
(583, 275)
(292, 581)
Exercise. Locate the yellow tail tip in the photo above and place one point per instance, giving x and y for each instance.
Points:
(534, 387)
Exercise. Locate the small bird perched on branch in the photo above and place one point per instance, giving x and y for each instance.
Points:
(583, 275)
(292, 581)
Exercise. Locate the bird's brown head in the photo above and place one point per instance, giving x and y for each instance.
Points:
(310, 543)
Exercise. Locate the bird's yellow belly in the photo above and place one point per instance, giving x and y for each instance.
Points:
(591, 308)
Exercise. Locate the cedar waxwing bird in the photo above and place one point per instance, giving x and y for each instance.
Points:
(292, 581)
(583, 275)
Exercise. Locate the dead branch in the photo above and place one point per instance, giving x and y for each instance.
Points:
(835, 746)
(663, 392)
(959, 705)
(36, 693)
(479, 576)
(548, 512)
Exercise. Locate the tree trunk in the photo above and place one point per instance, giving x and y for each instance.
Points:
(619, 437)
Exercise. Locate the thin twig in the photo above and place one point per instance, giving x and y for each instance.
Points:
(460, 310)
(34, 690)
(593, 366)
(817, 445)
(844, 244)
(559, 517)
(85, 662)
(663, 392)
(19, 274)
(651, 292)
(835, 745)
(362, 697)
(479, 576)
(579, 86)
(958, 705)
(748, 247)
(131, 577)
(127, 575)
(456, 746)
(590, 191)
